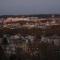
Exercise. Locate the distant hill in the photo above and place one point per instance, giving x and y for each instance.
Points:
(34, 15)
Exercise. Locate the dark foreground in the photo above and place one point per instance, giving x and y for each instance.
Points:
(23, 48)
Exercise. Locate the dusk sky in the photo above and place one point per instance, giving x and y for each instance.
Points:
(21, 7)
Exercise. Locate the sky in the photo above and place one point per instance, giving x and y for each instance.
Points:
(22, 7)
